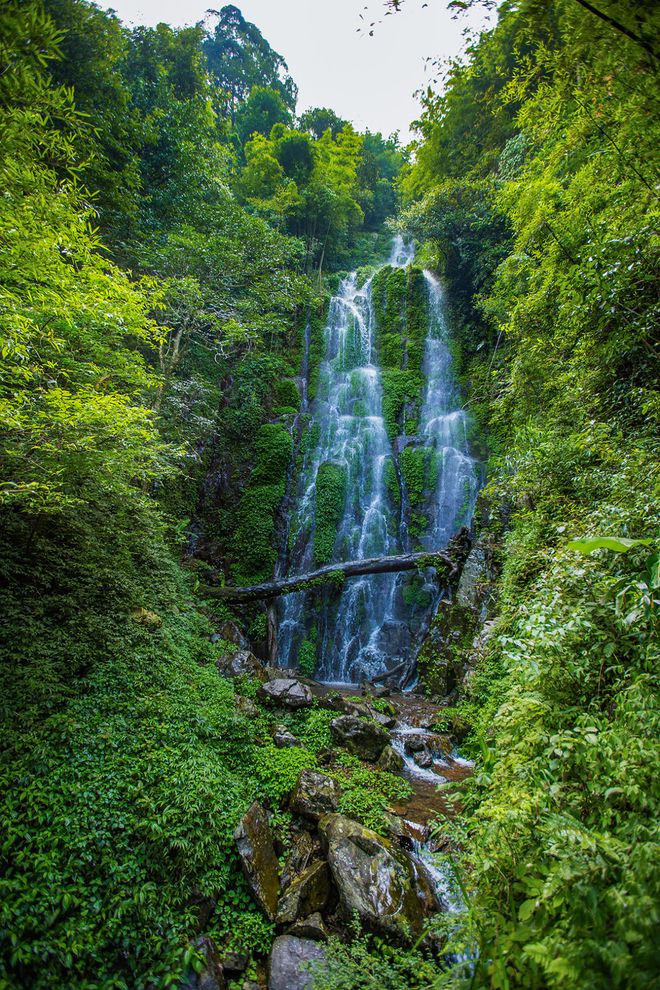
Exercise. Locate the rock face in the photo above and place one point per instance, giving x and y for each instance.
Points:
(307, 894)
(360, 737)
(288, 956)
(255, 847)
(315, 795)
(240, 663)
(374, 878)
(286, 692)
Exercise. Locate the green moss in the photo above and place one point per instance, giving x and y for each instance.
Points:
(400, 310)
(286, 393)
(254, 545)
(307, 656)
(331, 481)
(399, 389)
(392, 482)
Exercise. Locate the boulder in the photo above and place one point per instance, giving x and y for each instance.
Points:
(387, 721)
(247, 707)
(414, 743)
(375, 879)
(312, 927)
(258, 859)
(211, 976)
(424, 759)
(235, 962)
(390, 760)
(286, 692)
(315, 794)
(230, 633)
(306, 894)
(303, 849)
(288, 963)
(359, 736)
(284, 739)
(240, 663)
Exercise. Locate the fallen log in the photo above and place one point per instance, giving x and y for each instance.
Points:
(336, 574)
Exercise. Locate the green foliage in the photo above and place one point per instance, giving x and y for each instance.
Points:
(367, 963)
(260, 112)
(312, 727)
(277, 771)
(531, 188)
(331, 493)
(367, 794)
(307, 657)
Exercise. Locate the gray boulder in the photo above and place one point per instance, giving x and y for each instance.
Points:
(284, 739)
(240, 663)
(286, 692)
(374, 878)
(288, 959)
(258, 860)
(315, 794)
(306, 894)
(360, 736)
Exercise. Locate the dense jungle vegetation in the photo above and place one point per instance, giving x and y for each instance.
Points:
(169, 226)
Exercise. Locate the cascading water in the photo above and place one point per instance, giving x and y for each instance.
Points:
(443, 429)
(364, 630)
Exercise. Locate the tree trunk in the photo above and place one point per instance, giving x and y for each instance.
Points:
(332, 573)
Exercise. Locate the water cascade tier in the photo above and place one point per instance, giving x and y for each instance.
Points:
(385, 470)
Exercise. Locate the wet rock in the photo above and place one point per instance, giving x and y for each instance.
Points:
(363, 738)
(390, 760)
(240, 663)
(315, 794)
(375, 690)
(374, 878)
(424, 759)
(396, 828)
(211, 976)
(346, 706)
(307, 894)
(286, 692)
(287, 959)
(258, 860)
(235, 962)
(284, 739)
(387, 721)
(230, 633)
(414, 743)
(303, 850)
(311, 927)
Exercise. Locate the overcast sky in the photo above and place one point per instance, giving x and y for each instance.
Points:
(370, 81)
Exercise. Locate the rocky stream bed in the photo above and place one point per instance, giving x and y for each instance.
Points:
(336, 869)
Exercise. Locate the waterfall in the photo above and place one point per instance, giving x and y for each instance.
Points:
(343, 509)
(443, 429)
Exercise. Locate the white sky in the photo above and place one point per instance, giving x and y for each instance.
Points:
(369, 81)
